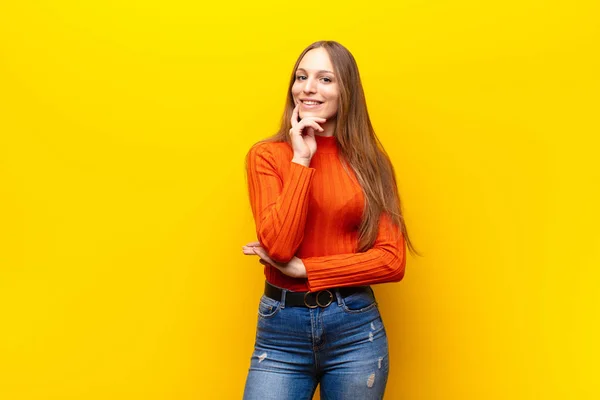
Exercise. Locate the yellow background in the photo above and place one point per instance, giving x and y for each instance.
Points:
(123, 201)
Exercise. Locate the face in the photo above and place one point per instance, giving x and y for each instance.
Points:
(316, 87)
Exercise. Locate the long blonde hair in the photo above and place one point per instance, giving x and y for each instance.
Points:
(359, 147)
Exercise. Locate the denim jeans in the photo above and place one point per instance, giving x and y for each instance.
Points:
(343, 347)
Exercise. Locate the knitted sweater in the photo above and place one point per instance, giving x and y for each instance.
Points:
(314, 213)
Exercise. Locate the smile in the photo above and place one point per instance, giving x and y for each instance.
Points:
(311, 102)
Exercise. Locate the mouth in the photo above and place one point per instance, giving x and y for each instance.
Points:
(310, 103)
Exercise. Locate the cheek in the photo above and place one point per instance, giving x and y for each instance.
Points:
(333, 101)
(334, 108)
(332, 95)
(295, 90)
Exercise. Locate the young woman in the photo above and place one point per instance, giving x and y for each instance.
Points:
(329, 224)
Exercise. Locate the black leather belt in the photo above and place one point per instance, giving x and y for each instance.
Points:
(322, 298)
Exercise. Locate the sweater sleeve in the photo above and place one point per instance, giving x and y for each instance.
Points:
(384, 262)
(279, 202)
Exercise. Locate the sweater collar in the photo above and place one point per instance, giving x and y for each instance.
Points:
(326, 144)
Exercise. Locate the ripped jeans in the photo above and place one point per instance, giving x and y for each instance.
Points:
(342, 347)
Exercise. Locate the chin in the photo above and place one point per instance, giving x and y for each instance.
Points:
(317, 114)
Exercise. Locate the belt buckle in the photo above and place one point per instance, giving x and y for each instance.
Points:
(318, 303)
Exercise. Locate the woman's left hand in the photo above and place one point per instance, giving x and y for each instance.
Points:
(294, 268)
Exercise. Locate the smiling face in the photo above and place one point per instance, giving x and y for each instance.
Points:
(316, 87)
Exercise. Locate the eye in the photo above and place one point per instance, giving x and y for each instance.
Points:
(326, 79)
(300, 77)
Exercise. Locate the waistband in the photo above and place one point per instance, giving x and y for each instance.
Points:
(322, 298)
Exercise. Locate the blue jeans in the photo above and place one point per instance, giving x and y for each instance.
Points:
(343, 347)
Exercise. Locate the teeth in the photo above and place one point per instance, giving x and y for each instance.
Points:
(312, 103)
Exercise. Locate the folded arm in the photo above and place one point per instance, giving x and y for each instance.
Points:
(279, 202)
(384, 262)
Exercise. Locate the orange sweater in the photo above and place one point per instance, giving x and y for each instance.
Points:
(314, 214)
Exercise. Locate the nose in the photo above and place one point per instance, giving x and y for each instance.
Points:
(309, 86)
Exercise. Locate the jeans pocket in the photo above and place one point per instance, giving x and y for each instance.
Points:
(268, 307)
(359, 302)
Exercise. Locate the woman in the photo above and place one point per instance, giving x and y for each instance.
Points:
(329, 223)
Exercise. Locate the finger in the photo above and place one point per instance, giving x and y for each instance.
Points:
(309, 121)
(314, 125)
(263, 255)
(249, 251)
(317, 119)
(259, 252)
(252, 245)
(300, 127)
(295, 115)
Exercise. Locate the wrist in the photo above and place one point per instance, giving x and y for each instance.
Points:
(300, 267)
(301, 161)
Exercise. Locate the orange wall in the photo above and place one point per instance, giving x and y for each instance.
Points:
(123, 205)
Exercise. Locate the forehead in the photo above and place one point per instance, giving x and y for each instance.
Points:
(316, 59)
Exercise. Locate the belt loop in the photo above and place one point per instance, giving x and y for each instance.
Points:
(283, 292)
(339, 297)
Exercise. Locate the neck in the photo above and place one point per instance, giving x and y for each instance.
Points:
(329, 127)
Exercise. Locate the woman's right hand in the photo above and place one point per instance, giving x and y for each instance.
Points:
(302, 135)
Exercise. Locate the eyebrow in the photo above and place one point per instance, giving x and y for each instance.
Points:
(323, 70)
